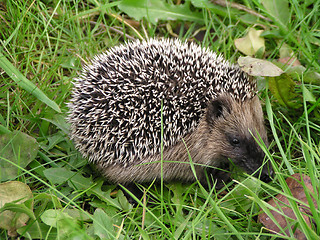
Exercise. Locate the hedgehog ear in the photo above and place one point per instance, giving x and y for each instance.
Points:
(217, 108)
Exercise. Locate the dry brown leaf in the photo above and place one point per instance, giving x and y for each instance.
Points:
(281, 203)
(16, 192)
(289, 61)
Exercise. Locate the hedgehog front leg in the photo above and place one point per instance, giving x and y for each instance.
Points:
(216, 176)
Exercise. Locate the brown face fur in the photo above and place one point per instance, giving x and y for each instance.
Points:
(223, 133)
(232, 125)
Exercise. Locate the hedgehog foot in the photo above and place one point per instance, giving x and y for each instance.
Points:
(216, 177)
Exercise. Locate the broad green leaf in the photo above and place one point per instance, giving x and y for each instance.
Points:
(259, 67)
(183, 226)
(312, 77)
(3, 129)
(77, 214)
(67, 225)
(58, 175)
(13, 212)
(215, 8)
(251, 43)
(70, 62)
(69, 228)
(272, 33)
(296, 72)
(2, 121)
(78, 182)
(155, 10)
(52, 216)
(309, 97)
(285, 51)
(16, 148)
(203, 4)
(239, 193)
(24, 83)
(279, 10)
(123, 201)
(282, 87)
(103, 225)
(62, 175)
(54, 140)
(35, 230)
(45, 198)
(144, 233)
(105, 196)
(59, 121)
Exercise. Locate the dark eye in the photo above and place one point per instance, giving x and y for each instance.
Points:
(235, 141)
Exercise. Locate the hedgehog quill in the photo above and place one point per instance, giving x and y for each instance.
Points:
(117, 102)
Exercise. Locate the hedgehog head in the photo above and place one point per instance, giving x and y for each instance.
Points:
(234, 129)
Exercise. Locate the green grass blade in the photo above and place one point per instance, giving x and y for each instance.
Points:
(24, 83)
(275, 135)
(3, 129)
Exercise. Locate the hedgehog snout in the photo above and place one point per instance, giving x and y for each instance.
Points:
(260, 162)
(254, 161)
(267, 173)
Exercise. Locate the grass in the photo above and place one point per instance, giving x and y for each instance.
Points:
(46, 42)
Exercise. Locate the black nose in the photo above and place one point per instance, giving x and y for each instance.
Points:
(267, 173)
(266, 178)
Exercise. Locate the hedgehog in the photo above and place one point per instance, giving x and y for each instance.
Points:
(167, 109)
